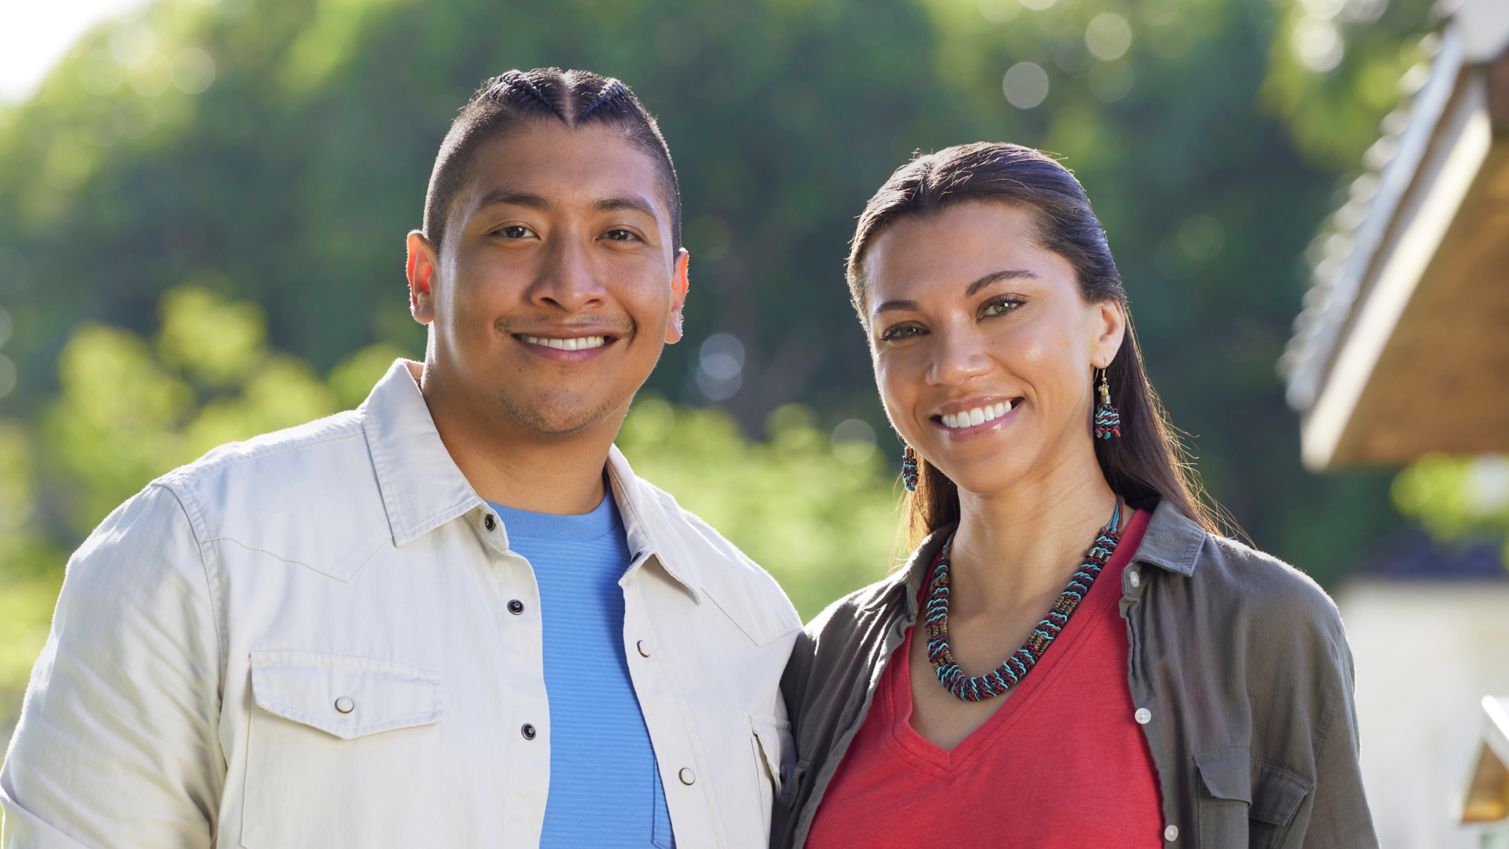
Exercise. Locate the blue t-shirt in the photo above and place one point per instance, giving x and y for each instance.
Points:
(605, 788)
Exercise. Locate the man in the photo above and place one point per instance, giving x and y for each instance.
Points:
(452, 617)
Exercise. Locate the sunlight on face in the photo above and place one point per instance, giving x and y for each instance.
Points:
(982, 344)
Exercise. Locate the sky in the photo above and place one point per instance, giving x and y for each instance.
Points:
(34, 35)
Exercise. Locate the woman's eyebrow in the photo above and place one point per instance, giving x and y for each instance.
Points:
(993, 277)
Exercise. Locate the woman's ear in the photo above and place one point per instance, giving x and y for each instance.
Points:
(1109, 327)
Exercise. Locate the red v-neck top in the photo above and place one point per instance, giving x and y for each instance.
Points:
(1062, 763)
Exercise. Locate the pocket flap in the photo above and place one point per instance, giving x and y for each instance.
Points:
(1226, 773)
(776, 750)
(344, 696)
(1273, 792)
(1279, 794)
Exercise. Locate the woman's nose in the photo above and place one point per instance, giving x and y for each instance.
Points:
(957, 357)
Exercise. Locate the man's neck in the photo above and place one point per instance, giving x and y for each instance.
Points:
(562, 475)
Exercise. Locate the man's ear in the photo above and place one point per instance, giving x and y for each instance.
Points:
(680, 282)
(1110, 326)
(420, 269)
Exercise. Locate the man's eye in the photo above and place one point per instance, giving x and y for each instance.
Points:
(620, 235)
(514, 231)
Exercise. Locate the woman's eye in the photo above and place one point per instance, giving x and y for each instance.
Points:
(1000, 306)
(514, 231)
(900, 331)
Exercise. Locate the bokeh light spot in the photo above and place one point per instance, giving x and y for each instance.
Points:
(853, 441)
(1317, 45)
(1110, 81)
(720, 366)
(1108, 36)
(193, 70)
(1025, 85)
(1000, 11)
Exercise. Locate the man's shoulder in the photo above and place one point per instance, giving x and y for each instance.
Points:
(730, 576)
(281, 457)
(280, 481)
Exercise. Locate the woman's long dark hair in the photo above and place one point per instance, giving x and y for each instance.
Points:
(1147, 464)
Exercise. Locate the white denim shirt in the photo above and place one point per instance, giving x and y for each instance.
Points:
(311, 639)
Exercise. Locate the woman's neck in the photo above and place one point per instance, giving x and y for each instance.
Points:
(1024, 543)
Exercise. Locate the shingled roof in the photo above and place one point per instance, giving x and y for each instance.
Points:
(1414, 268)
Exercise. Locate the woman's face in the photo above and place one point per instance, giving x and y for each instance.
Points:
(983, 347)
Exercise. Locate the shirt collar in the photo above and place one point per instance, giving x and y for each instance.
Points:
(1171, 541)
(422, 488)
(647, 528)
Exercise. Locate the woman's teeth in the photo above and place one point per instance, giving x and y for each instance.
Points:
(977, 416)
(577, 344)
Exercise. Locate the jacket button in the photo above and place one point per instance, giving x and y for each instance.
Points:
(687, 776)
(516, 607)
(1143, 716)
(528, 731)
(1171, 833)
(344, 704)
(643, 652)
(1134, 578)
(489, 522)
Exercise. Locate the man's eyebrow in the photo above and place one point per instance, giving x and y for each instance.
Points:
(993, 277)
(631, 202)
(504, 197)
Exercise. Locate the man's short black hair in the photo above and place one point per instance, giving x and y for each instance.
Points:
(506, 102)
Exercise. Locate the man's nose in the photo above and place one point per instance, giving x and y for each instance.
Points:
(567, 279)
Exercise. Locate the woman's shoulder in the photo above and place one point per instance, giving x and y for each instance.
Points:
(1242, 589)
(1257, 578)
(1234, 578)
(849, 611)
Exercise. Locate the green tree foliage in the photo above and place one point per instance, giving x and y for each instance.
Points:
(196, 158)
(287, 145)
(1458, 497)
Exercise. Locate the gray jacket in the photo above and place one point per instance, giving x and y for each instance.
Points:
(1238, 666)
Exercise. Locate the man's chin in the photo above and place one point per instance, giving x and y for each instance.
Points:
(560, 419)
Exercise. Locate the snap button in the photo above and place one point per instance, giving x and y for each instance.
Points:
(687, 776)
(489, 522)
(643, 652)
(1171, 833)
(516, 607)
(1134, 578)
(1143, 716)
(528, 731)
(344, 704)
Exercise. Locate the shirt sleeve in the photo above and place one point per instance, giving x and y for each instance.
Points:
(116, 744)
(1339, 816)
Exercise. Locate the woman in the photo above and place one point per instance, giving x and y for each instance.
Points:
(1094, 665)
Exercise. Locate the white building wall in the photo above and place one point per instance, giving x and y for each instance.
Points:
(1426, 653)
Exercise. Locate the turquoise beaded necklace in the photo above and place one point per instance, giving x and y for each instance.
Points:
(975, 688)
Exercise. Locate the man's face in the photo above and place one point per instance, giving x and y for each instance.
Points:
(558, 283)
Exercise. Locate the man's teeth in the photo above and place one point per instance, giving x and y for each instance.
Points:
(577, 344)
(977, 416)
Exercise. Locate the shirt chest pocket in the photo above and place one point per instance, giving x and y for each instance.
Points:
(1245, 802)
(338, 747)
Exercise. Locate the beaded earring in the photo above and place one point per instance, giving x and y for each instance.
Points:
(1107, 420)
(909, 469)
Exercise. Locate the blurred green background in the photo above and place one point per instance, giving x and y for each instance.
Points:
(202, 212)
